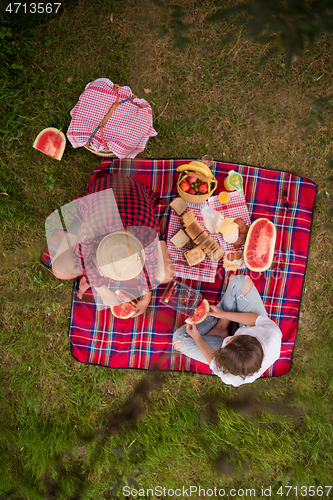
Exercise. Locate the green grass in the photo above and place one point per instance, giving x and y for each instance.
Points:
(58, 418)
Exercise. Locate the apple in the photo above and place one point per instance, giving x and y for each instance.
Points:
(191, 179)
(192, 191)
(185, 185)
(203, 188)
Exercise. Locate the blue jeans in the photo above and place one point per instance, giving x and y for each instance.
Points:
(233, 301)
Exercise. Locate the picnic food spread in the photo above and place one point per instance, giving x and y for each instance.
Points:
(233, 230)
(203, 241)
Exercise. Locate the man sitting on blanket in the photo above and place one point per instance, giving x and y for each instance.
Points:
(115, 205)
(243, 357)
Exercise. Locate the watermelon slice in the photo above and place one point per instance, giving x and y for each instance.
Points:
(127, 308)
(260, 245)
(200, 314)
(52, 142)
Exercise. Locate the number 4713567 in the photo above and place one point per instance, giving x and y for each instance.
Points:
(33, 8)
(305, 490)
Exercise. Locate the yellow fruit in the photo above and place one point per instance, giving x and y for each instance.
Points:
(200, 165)
(181, 168)
(224, 197)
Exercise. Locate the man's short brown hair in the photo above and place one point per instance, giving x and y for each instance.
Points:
(242, 356)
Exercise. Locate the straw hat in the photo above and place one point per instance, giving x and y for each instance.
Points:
(120, 256)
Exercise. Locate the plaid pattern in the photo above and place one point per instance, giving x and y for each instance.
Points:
(207, 269)
(134, 211)
(145, 342)
(126, 132)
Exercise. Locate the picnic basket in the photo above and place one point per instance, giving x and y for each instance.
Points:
(106, 152)
(195, 198)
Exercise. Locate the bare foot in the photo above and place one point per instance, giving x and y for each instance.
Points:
(83, 287)
(218, 332)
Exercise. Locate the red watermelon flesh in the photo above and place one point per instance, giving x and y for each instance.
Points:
(260, 245)
(52, 142)
(126, 309)
(123, 311)
(200, 314)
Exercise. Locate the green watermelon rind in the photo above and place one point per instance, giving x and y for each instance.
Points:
(207, 309)
(248, 243)
(56, 132)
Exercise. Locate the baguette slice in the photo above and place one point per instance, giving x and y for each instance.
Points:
(216, 255)
(194, 256)
(208, 244)
(194, 230)
(188, 218)
(180, 239)
(201, 238)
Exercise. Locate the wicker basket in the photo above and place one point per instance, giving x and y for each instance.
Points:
(106, 152)
(195, 198)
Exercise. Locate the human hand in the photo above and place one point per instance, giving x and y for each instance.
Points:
(83, 287)
(142, 305)
(216, 312)
(191, 329)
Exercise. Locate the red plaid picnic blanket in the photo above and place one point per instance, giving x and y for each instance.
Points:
(145, 342)
(126, 132)
(207, 269)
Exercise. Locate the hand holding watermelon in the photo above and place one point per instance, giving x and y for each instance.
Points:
(142, 305)
(216, 312)
(192, 331)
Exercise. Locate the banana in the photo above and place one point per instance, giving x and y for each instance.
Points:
(190, 166)
(181, 168)
(203, 168)
(197, 166)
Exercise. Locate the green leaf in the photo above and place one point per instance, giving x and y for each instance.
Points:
(118, 452)
(137, 451)
(131, 482)
(138, 471)
(162, 31)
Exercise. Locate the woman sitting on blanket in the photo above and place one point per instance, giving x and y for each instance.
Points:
(120, 206)
(243, 357)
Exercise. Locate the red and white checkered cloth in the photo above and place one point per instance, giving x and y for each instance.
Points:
(127, 131)
(206, 270)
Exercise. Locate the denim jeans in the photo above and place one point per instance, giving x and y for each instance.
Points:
(233, 301)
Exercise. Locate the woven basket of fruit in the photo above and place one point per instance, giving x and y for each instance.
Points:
(196, 182)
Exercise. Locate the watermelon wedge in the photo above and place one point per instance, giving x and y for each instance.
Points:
(200, 314)
(51, 142)
(126, 309)
(260, 245)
